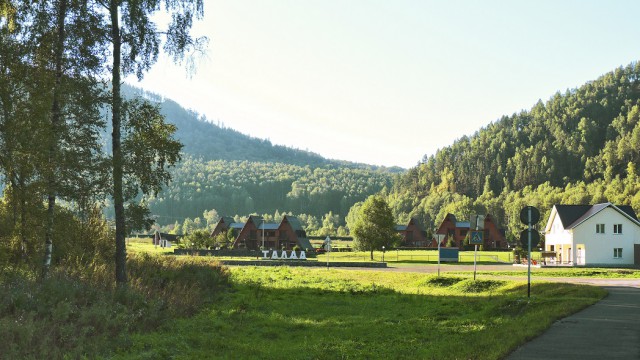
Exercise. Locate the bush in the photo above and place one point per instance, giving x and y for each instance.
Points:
(77, 312)
(478, 286)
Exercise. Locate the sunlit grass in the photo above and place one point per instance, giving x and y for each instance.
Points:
(135, 245)
(421, 256)
(302, 313)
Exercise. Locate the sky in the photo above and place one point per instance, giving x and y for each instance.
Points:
(388, 82)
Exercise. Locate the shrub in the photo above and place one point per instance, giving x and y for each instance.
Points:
(478, 286)
(442, 281)
(77, 312)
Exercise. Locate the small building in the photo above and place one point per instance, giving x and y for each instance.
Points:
(413, 234)
(164, 239)
(256, 233)
(595, 235)
(493, 237)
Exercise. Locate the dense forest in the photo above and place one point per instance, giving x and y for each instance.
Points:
(235, 174)
(244, 187)
(578, 147)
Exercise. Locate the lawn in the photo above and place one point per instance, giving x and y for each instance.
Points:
(144, 245)
(302, 313)
(421, 256)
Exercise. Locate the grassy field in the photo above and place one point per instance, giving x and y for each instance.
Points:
(302, 313)
(421, 256)
(135, 245)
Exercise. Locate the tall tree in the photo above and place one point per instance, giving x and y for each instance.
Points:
(375, 226)
(135, 46)
(63, 54)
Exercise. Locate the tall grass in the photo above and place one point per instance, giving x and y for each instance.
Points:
(78, 312)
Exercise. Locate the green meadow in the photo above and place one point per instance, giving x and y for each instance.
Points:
(302, 313)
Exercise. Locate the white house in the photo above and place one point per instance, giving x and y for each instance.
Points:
(601, 234)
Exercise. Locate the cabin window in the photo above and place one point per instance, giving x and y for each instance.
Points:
(617, 253)
(617, 228)
(599, 228)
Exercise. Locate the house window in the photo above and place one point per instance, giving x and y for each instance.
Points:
(617, 228)
(599, 228)
(617, 253)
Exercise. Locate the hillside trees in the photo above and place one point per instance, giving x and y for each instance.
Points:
(578, 147)
(244, 187)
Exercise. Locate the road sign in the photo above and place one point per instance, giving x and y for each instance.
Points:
(524, 238)
(476, 238)
(476, 222)
(529, 215)
(327, 243)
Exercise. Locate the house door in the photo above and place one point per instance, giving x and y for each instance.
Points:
(580, 256)
(636, 254)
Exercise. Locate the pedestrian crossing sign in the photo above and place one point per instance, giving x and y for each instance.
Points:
(476, 238)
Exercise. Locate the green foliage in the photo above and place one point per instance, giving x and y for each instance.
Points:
(375, 226)
(201, 239)
(579, 147)
(247, 187)
(75, 313)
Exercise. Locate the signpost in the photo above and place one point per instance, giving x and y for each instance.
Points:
(439, 238)
(476, 238)
(327, 241)
(530, 216)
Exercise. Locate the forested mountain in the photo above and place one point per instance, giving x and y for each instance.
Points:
(245, 187)
(235, 174)
(574, 148)
(208, 141)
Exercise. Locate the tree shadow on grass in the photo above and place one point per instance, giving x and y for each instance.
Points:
(352, 320)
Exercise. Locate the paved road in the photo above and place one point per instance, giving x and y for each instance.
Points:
(610, 329)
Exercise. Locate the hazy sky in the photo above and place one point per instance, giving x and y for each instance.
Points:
(386, 82)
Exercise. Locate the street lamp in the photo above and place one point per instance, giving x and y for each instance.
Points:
(262, 233)
(382, 253)
(439, 238)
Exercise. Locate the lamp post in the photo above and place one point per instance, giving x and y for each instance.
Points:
(439, 238)
(382, 253)
(263, 234)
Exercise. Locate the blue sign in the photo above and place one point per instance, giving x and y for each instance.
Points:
(449, 254)
(476, 238)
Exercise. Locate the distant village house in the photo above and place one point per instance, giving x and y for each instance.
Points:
(256, 233)
(413, 234)
(458, 231)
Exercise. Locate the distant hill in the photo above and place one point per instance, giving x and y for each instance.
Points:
(234, 173)
(579, 147)
(208, 141)
(591, 132)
